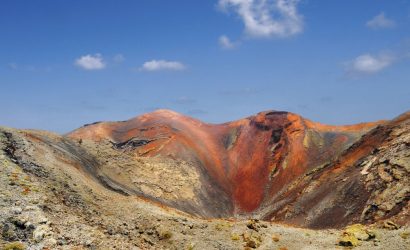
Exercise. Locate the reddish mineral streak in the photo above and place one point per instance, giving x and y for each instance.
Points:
(250, 159)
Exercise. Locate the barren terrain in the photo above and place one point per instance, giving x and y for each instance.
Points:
(166, 181)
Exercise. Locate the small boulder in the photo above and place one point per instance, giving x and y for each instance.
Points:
(235, 236)
(353, 234)
(348, 241)
(405, 235)
(40, 232)
(14, 246)
(390, 225)
(252, 240)
(163, 233)
(253, 224)
(16, 210)
(360, 231)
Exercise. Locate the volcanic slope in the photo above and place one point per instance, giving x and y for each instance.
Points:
(369, 182)
(166, 181)
(243, 168)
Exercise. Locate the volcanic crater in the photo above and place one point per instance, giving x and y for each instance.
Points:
(274, 165)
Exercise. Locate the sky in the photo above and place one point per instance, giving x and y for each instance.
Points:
(65, 63)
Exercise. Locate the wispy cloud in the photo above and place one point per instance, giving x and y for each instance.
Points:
(32, 68)
(118, 58)
(160, 65)
(370, 64)
(90, 62)
(183, 100)
(29, 68)
(326, 99)
(380, 22)
(12, 66)
(92, 106)
(267, 18)
(226, 43)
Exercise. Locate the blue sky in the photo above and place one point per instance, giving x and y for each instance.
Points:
(66, 63)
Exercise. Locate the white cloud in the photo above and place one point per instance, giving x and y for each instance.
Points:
(225, 42)
(119, 58)
(370, 64)
(267, 18)
(380, 22)
(91, 62)
(158, 65)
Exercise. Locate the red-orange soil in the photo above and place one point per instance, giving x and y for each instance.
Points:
(252, 160)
